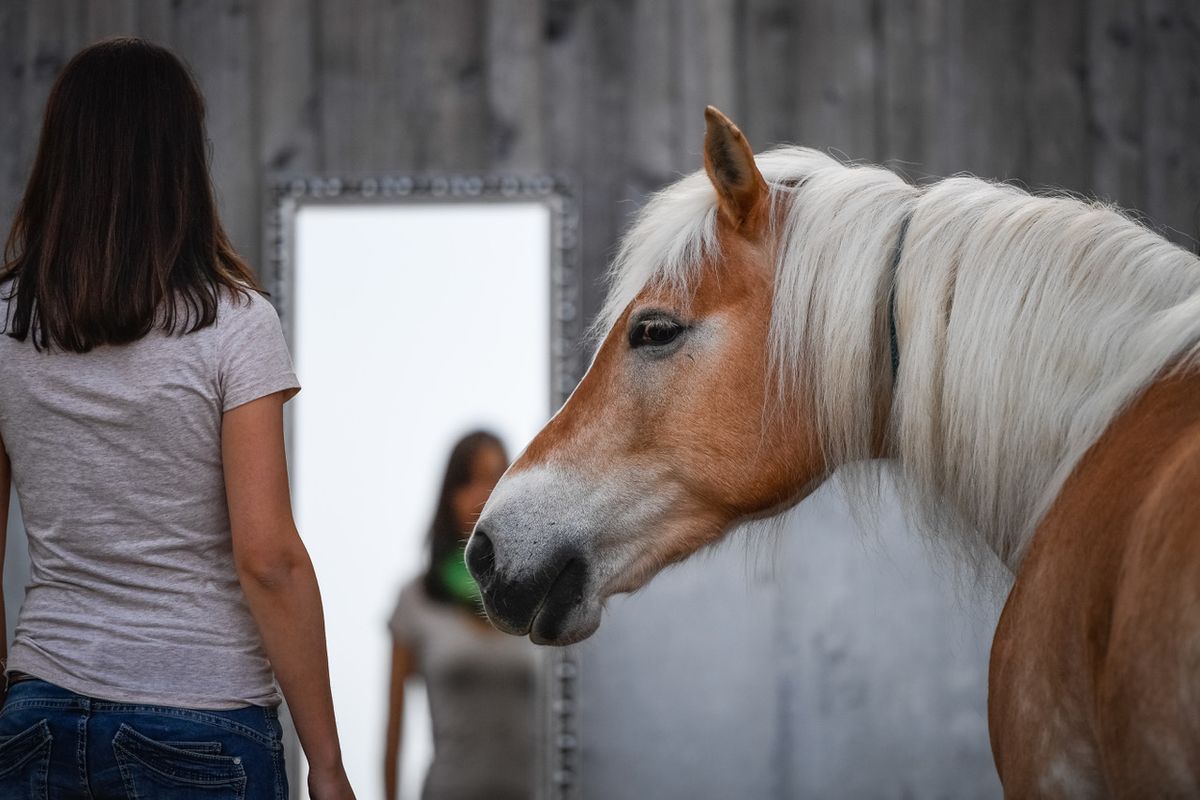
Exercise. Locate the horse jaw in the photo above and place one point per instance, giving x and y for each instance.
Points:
(570, 541)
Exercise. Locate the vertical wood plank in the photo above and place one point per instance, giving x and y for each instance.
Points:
(1172, 96)
(105, 18)
(932, 31)
(980, 124)
(513, 54)
(1056, 102)
(454, 79)
(836, 72)
(286, 109)
(769, 85)
(154, 20)
(15, 128)
(902, 63)
(565, 84)
(598, 158)
(651, 109)
(343, 101)
(225, 74)
(399, 126)
(1115, 44)
(708, 73)
(54, 34)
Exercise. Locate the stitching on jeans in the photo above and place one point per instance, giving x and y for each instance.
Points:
(182, 713)
(44, 743)
(126, 778)
(41, 703)
(237, 780)
(278, 776)
(81, 753)
(189, 714)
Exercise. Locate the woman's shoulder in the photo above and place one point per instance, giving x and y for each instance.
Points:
(412, 606)
(244, 306)
(245, 319)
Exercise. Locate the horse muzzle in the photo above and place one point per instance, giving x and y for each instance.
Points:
(543, 596)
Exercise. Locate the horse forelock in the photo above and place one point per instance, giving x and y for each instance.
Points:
(1026, 324)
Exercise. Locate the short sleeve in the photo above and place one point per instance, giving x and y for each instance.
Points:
(405, 621)
(254, 360)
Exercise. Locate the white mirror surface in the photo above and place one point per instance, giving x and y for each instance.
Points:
(411, 324)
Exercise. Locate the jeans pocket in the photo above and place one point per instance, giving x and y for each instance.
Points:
(176, 770)
(25, 763)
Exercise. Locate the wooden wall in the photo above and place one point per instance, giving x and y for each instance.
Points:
(858, 661)
(1100, 96)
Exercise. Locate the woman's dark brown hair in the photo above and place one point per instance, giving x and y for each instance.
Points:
(118, 232)
(445, 534)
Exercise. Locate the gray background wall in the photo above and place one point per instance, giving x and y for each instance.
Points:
(1100, 96)
(825, 664)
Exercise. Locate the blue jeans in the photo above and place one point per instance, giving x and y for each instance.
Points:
(60, 745)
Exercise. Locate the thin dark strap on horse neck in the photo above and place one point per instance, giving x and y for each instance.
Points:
(893, 339)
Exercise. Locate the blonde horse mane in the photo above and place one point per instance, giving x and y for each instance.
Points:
(1025, 325)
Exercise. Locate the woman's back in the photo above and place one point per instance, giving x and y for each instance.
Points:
(116, 455)
(142, 384)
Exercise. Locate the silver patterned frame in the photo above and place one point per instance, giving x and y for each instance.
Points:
(559, 756)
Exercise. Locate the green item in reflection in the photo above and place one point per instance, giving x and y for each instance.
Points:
(457, 579)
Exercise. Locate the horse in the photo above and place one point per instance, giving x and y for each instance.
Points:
(1029, 366)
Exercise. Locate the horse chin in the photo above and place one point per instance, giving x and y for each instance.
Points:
(561, 625)
(556, 622)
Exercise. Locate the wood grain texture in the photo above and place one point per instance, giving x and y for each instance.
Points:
(513, 58)
(1172, 115)
(708, 73)
(1098, 96)
(15, 128)
(1116, 48)
(226, 77)
(1058, 147)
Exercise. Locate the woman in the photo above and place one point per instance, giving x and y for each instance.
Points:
(142, 383)
(479, 681)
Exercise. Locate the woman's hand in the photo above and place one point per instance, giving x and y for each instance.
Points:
(330, 785)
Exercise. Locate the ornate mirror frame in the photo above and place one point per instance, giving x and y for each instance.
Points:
(557, 706)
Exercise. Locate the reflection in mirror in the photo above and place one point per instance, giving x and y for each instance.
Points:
(413, 323)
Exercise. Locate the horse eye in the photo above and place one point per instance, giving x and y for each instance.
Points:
(654, 333)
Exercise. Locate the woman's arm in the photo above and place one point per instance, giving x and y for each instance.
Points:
(402, 666)
(277, 577)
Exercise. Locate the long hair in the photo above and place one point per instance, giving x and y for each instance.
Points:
(1026, 324)
(445, 533)
(118, 232)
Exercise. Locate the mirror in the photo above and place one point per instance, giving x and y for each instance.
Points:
(417, 309)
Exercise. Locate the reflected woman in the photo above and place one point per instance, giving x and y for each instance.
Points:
(142, 383)
(479, 681)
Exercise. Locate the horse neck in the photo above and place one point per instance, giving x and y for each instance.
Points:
(1028, 323)
(1024, 324)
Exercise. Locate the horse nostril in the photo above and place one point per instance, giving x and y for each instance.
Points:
(481, 559)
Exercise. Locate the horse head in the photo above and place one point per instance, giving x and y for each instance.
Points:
(671, 437)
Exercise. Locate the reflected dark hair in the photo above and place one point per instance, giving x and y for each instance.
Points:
(445, 535)
(118, 232)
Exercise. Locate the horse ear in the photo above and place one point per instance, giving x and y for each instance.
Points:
(729, 162)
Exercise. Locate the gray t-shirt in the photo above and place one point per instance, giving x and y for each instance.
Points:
(116, 458)
(480, 685)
